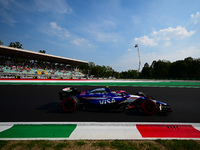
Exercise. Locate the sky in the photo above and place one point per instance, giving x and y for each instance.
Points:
(105, 31)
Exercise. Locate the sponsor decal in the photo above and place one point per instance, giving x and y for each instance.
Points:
(107, 101)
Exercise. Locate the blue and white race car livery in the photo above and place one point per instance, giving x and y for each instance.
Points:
(106, 100)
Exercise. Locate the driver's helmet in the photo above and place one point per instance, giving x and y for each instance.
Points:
(107, 89)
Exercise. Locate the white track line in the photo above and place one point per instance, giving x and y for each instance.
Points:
(99, 132)
(5, 127)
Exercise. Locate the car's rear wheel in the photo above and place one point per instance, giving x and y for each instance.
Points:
(148, 107)
(70, 104)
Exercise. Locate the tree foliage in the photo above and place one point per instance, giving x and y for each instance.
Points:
(130, 74)
(15, 45)
(106, 71)
(188, 68)
(42, 51)
(96, 70)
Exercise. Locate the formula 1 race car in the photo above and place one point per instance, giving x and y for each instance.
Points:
(105, 100)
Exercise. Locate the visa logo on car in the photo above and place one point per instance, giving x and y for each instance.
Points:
(107, 101)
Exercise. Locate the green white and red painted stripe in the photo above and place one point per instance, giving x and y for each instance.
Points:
(98, 131)
(90, 82)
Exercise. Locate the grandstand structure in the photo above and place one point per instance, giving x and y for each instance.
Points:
(11, 69)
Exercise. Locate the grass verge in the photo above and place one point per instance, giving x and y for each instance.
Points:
(100, 145)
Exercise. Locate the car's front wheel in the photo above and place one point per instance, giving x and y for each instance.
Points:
(70, 104)
(148, 107)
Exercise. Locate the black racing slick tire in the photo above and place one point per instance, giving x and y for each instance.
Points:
(70, 103)
(148, 107)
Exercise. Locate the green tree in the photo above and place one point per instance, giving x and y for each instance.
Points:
(1, 43)
(42, 51)
(100, 71)
(146, 71)
(130, 74)
(116, 74)
(196, 69)
(109, 71)
(15, 45)
(160, 69)
(97, 71)
(178, 69)
(188, 68)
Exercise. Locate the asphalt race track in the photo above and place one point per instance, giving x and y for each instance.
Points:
(40, 103)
